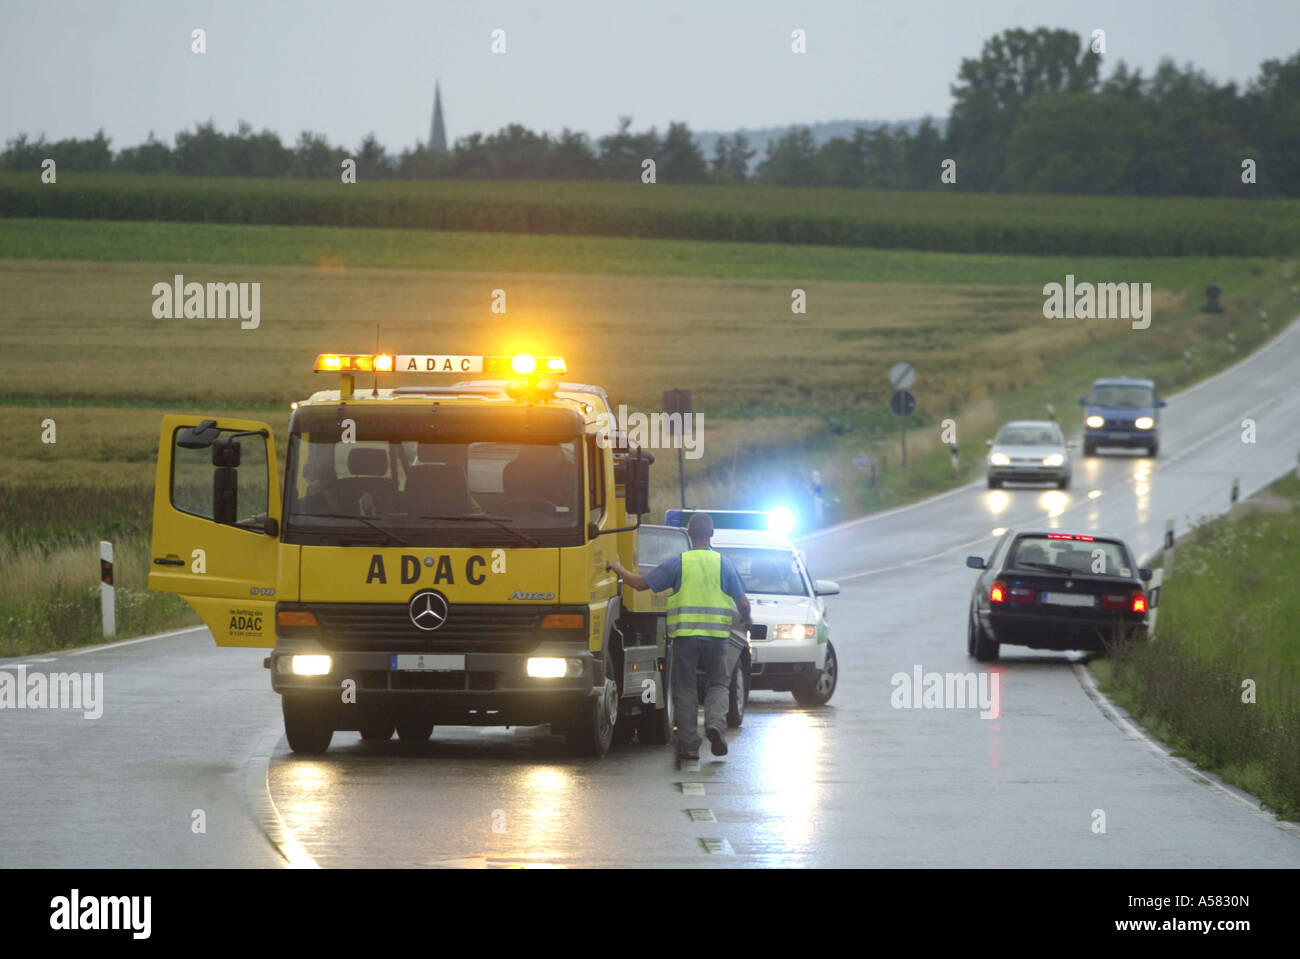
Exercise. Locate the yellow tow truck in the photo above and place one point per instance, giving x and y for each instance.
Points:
(435, 554)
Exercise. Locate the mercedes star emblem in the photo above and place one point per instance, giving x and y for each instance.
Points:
(428, 610)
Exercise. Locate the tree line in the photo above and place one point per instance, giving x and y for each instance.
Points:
(1031, 114)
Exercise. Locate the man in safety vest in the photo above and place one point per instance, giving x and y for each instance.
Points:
(700, 612)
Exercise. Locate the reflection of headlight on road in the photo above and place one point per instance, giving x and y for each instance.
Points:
(311, 665)
(1000, 459)
(1144, 422)
(1056, 459)
(1096, 422)
(794, 631)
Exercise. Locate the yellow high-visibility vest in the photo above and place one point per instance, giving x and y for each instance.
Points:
(700, 607)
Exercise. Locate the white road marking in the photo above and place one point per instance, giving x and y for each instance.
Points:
(132, 642)
(1117, 716)
(257, 792)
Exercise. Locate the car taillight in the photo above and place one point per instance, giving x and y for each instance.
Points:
(998, 594)
(1139, 603)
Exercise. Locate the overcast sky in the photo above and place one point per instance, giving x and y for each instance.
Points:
(342, 68)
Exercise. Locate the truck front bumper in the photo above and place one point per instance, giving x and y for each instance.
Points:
(493, 688)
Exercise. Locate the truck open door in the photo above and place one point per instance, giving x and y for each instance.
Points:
(216, 524)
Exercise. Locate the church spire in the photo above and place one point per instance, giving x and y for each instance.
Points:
(437, 135)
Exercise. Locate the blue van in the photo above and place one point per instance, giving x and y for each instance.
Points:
(1121, 411)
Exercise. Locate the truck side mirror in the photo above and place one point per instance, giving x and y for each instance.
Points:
(637, 499)
(225, 499)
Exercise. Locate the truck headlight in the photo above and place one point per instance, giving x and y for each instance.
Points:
(1000, 459)
(1055, 459)
(312, 665)
(552, 667)
(1144, 422)
(794, 631)
(1095, 422)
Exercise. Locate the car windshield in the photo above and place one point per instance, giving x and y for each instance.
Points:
(1029, 436)
(1142, 397)
(1100, 557)
(767, 570)
(404, 489)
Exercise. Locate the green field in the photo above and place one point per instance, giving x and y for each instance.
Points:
(781, 393)
(941, 220)
(1228, 613)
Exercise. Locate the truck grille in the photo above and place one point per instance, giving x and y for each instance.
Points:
(388, 627)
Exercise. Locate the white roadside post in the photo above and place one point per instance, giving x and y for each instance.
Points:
(107, 603)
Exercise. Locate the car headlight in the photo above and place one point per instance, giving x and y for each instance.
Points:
(1096, 422)
(794, 631)
(1056, 459)
(1000, 459)
(1144, 422)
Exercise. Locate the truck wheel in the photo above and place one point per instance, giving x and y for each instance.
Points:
(592, 729)
(656, 724)
(377, 730)
(820, 690)
(739, 696)
(306, 731)
(412, 732)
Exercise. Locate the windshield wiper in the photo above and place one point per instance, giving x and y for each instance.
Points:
(365, 519)
(499, 521)
(1048, 566)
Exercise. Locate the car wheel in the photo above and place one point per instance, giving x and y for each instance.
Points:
(738, 696)
(656, 725)
(377, 730)
(981, 647)
(1089, 449)
(413, 732)
(995, 483)
(820, 690)
(306, 731)
(1063, 483)
(1152, 449)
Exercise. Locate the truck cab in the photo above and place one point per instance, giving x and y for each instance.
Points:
(432, 555)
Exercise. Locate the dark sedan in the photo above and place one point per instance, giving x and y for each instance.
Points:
(1047, 589)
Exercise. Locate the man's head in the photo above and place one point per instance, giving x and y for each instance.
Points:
(700, 530)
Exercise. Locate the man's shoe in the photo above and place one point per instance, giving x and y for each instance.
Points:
(717, 742)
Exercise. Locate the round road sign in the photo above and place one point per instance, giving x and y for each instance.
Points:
(902, 403)
(902, 376)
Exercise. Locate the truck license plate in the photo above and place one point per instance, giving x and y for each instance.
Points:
(428, 663)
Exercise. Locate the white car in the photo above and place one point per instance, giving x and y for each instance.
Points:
(790, 640)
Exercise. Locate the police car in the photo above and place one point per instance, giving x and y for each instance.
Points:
(789, 638)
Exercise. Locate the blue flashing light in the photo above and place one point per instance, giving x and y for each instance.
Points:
(780, 520)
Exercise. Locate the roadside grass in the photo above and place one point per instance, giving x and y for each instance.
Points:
(1228, 621)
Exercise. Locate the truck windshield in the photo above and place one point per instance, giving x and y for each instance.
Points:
(1141, 397)
(417, 492)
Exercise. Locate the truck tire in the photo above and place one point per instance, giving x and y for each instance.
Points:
(820, 690)
(738, 696)
(307, 732)
(376, 730)
(413, 732)
(656, 725)
(591, 730)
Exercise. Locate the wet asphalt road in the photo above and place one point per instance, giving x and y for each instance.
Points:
(190, 729)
